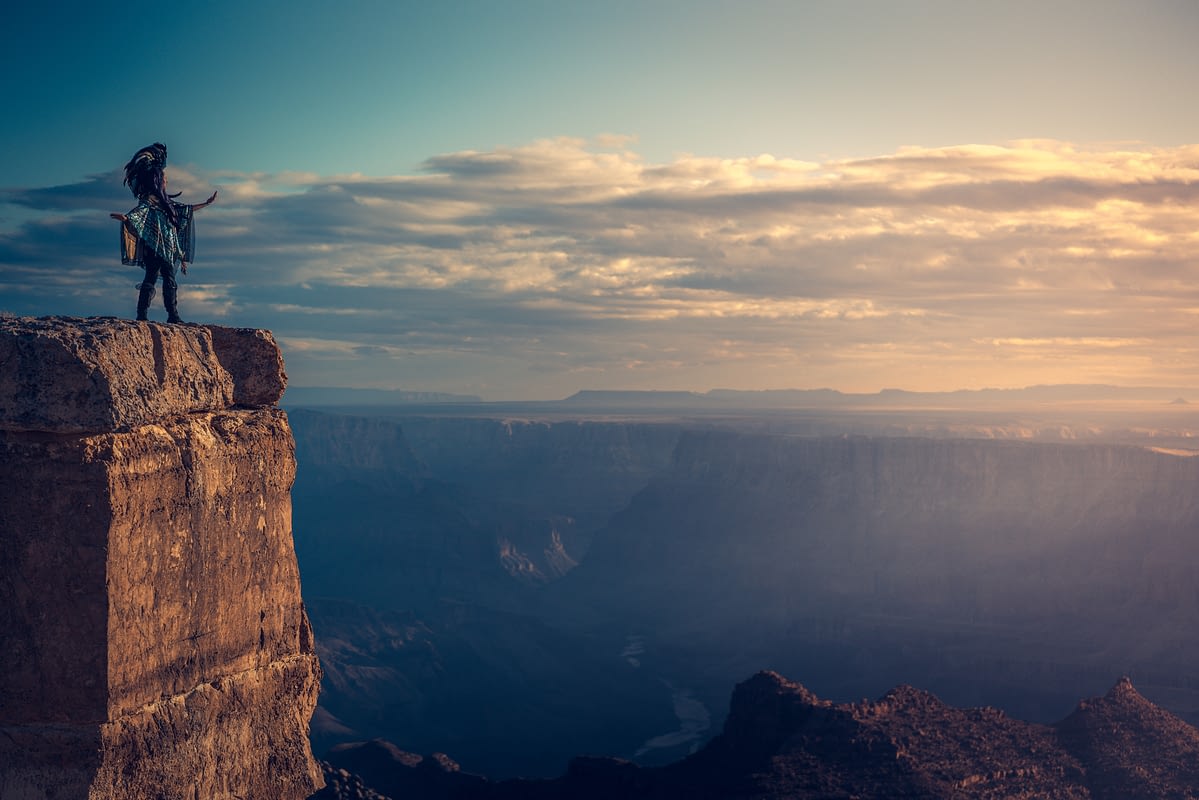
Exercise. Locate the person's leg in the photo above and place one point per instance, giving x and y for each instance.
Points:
(170, 291)
(146, 293)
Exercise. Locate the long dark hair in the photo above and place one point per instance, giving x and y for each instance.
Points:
(143, 176)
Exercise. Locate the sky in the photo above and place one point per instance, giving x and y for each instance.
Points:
(520, 200)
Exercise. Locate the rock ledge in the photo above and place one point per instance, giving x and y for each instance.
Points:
(76, 375)
(156, 645)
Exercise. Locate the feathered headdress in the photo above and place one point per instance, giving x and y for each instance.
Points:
(143, 173)
(143, 176)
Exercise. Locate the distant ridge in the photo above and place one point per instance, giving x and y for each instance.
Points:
(720, 400)
(715, 399)
(592, 398)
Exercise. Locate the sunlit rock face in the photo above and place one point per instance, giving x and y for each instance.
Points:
(155, 642)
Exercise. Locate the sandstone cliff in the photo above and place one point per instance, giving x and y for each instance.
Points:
(154, 640)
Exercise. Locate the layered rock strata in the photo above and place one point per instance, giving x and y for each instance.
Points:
(154, 641)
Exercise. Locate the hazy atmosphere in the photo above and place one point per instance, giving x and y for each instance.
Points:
(660, 399)
(521, 200)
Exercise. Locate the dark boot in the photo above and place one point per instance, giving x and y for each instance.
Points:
(144, 297)
(169, 299)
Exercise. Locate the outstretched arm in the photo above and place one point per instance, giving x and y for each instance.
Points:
(211, 199)
(119, 217)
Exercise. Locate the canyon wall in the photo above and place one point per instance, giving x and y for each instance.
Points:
(155, 643)
(1017, 574)
(422, 543)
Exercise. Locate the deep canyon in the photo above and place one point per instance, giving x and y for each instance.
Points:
(655, 595)
(515, 590)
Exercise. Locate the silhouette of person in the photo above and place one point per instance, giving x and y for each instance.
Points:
(158, 233)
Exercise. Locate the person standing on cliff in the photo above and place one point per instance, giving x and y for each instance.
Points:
(158, 233)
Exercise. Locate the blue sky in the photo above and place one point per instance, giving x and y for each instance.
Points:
(523, 199)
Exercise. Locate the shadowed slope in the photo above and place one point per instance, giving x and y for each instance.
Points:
(782, 741)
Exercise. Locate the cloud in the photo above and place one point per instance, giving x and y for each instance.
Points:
(526, 268)
(90, 193)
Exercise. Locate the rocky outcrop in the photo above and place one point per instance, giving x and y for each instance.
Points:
(1134, 750)
(395, 773)
(905, 744)
(155, 642)
(341, 784)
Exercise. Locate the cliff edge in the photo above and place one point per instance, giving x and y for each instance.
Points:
(154, 640)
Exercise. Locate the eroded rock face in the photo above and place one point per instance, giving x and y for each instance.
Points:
(70, 375)
(155, 643)
(252, 358)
